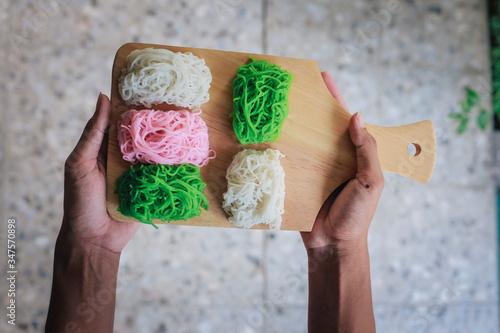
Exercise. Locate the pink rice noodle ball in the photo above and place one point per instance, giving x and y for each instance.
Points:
(164, 137)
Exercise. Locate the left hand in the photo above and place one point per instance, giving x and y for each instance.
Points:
(86, 219)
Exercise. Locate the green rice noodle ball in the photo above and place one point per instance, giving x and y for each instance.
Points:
(260, 101)
(165, 192)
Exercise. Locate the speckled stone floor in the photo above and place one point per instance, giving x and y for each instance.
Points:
(433, 247)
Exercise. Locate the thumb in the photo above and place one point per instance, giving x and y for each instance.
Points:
(369, 172)
(88, 146)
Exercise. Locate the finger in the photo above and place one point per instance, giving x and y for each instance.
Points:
(369, 172)
(334, 89)
(90, 142)
(317, 232)
(329, 201)
(103, 151)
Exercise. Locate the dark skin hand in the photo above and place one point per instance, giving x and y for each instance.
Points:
(339, 266)
(85, 213)
(90, 242)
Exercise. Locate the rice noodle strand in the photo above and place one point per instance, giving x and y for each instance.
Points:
(164, 137)
(260, 101)
(255, 189)
(154, 76)
(165, 192)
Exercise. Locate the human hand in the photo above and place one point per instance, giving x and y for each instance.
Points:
(346, 215)
(86, 219)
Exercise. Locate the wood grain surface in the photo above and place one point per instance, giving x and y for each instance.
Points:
(319, 154)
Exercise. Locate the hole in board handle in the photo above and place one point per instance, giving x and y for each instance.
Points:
(414, 149)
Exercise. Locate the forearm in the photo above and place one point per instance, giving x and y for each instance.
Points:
(340, 297)
(83, 288)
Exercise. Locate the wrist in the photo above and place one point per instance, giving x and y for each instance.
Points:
(339, 249)
(340, 288)
(69, 246)
(84, 285)
(83, 265)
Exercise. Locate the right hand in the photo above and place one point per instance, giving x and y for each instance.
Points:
(346, 215)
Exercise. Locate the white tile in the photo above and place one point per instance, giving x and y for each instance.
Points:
(160, 319)
(456, 34)
(438, 241)
(438, 317)
(412, 94)
(289, 318)
(197, 266)
(286, 269)
(327, 32)
(221, 24)
(232, 25)
(52, 94)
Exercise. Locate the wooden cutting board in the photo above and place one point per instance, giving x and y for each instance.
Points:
(315, 140)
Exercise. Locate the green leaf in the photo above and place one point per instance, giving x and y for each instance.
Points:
(465, 107)
(472, 97)
(455, 116)
(496, 102)
(496, 108)
(495, 23)
(483, 119)
(462, 126)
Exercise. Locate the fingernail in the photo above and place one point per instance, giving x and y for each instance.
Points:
(359, 118)
(99, 100)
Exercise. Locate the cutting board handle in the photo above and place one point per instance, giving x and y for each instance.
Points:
(393, 150)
